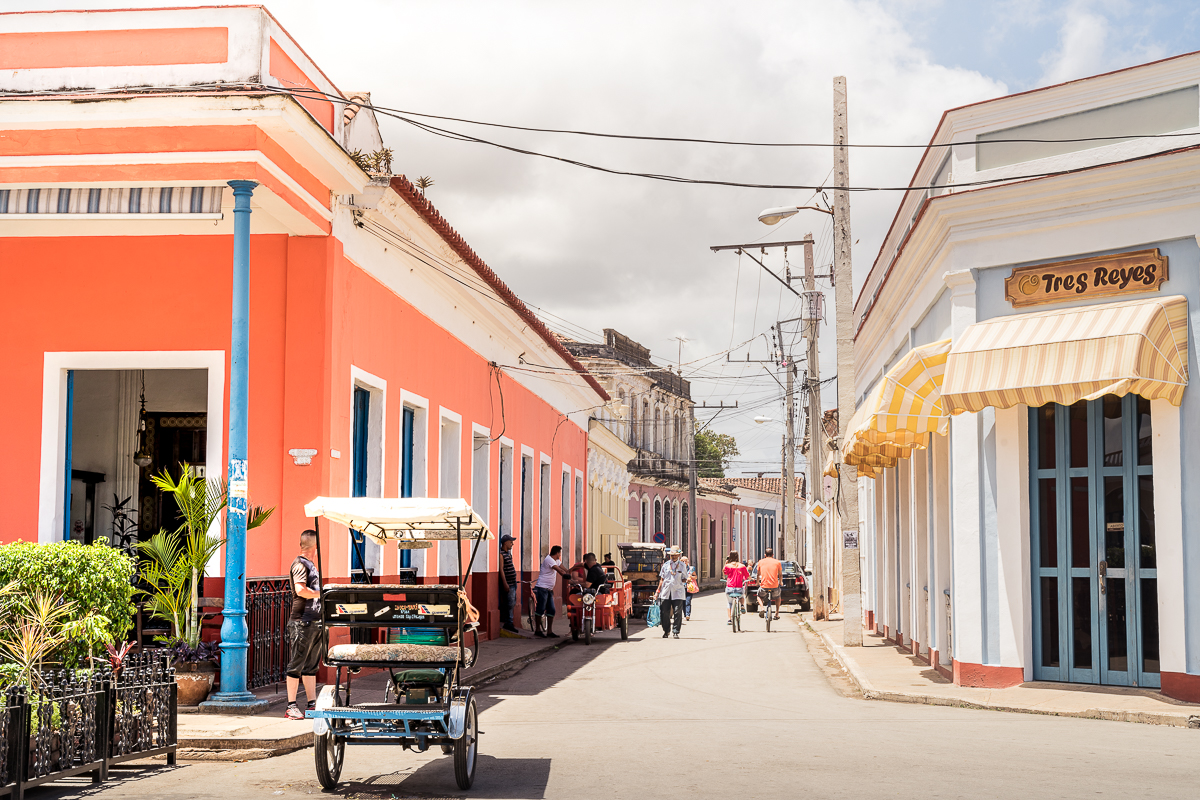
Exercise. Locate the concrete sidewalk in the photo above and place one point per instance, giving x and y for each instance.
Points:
(883, 672)
(228, 737)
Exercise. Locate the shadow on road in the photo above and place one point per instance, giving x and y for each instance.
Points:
(517, 778)
(125, 776)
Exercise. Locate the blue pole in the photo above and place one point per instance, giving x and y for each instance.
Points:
(234, 695)
(69, 432)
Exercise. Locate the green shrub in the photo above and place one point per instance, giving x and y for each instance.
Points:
(95, 581)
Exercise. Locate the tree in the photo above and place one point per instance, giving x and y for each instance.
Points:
(713, 451)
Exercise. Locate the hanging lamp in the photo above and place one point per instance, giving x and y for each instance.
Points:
(142, 456)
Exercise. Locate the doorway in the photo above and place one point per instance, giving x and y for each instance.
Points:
(1095, 578)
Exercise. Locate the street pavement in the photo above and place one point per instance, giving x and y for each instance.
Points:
(720, 715)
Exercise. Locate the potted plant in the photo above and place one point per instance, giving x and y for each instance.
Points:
(173, 564)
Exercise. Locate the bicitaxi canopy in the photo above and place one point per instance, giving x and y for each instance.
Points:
(414, 522)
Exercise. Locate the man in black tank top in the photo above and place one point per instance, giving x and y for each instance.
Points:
(304, 632)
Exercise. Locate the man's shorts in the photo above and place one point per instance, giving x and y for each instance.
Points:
(770, 594)
(307, 643)
(543, 601)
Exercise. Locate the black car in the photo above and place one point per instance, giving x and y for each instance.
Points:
(794, 588)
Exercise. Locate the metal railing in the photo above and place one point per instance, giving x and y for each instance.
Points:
(268, 604)
(82, 721)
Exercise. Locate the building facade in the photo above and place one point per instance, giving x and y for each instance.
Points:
(384, 354)
(1023, 347)
(657, 424)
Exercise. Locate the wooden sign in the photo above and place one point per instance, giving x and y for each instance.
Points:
(1085, 278)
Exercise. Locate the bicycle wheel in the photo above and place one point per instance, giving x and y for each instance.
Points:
(735, 613)
(768, 617)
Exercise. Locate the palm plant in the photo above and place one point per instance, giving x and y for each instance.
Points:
(34, 630)
(173, 562)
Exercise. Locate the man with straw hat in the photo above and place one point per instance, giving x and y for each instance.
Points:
(672, 590)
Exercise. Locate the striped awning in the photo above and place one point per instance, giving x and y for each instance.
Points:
(1071, 354)
(901, 411)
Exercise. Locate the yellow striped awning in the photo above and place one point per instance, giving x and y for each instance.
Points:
(901, 411)
(1071, 354)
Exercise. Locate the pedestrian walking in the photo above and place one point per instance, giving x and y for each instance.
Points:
(672, 592)
(543, 592)
(508, 584)
(736, 576)
(693, 588)
(305, 636)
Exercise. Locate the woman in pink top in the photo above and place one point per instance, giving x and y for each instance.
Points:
(736, 576)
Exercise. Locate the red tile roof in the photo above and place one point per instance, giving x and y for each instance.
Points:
(758, 484)
(412, 195)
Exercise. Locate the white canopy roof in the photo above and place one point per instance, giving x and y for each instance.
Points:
(409, 519)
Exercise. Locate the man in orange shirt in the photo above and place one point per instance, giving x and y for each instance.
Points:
(770, 572)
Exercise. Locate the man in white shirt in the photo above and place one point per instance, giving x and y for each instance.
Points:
(672, 590)
(543, 593)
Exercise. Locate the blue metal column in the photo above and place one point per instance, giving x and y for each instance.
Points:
(69, 435)
(234, 697)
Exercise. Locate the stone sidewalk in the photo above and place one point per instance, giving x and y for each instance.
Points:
(884, 672)
(228, 737)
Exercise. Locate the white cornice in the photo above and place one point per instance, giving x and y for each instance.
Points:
(280, 116)
(1101, 209)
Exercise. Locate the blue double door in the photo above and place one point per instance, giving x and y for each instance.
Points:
(1095, 579)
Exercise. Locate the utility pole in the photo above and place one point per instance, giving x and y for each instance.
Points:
(789, 539)
(812, 314)
(843, 290)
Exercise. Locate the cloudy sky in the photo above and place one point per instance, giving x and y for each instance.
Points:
(603, 251)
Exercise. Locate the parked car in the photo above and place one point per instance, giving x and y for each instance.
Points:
(794, 588)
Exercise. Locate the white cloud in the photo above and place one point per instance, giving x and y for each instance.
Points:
(631, 254)
(1086, 41)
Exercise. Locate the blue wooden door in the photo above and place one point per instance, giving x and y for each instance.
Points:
(1095, 580)
(358, 481)
(408, 424)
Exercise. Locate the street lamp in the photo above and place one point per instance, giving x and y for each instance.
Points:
(773, 216)
(761, 420)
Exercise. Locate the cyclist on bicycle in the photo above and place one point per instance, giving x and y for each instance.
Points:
(770, 574)
(736, 575)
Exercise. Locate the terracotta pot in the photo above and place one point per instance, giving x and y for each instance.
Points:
(195, 681)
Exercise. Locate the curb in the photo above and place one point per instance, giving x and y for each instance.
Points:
(869, 692)
(494, 671)
(275, 747)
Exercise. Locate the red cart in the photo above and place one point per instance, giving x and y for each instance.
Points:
(590, 610)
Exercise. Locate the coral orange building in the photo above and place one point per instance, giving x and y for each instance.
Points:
(385, 357)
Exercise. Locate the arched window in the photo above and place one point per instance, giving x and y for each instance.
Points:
(645, 519)
(619, 427)
(683, 525)
(658, 528)
(644, 433)
(633, 422)
(656, 437)
(668, 529)
(677, 451)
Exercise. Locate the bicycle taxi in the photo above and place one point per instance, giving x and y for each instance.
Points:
(417, 632)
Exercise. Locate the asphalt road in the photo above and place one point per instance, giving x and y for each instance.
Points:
(719, 715)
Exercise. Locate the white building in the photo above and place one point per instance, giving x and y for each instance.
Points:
(1032, 540)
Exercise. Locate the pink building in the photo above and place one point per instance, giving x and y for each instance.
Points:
(386, 358)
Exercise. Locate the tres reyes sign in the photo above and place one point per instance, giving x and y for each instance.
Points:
(1084, 278)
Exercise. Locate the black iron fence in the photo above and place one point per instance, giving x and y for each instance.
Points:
(268, 603)
(82, 722)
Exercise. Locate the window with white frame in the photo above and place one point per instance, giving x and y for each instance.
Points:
(579, 512)
(368, 401)
(414, 473)
(544, 509)
(481, 454)
(449, 479)
(565, 518)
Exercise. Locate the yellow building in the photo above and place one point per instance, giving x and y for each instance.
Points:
(608, 491)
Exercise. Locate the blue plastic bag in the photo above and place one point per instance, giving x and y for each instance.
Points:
(653, 616)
